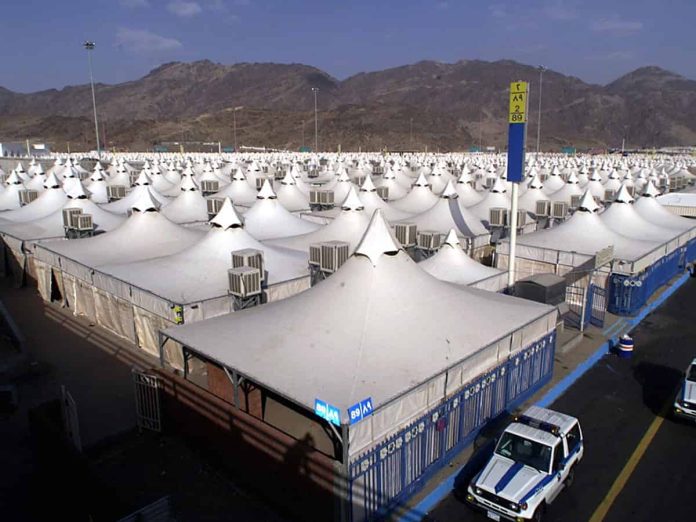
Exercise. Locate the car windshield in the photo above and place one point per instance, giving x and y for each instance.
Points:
(525, 451)
(691, 373)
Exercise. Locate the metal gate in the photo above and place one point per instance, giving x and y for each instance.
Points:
(147, 400)
(597, 305)
(574, 299)
(71, 423)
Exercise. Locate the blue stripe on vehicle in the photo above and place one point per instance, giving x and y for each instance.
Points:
(537, 487)
(508, 476)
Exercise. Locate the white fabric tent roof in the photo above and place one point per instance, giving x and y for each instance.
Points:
(451, 264)
(189, 207)
(47, 203)
(142, 236)
(420, 199)
(122, 206)
(342, 340)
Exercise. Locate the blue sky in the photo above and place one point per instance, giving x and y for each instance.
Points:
(595, 40)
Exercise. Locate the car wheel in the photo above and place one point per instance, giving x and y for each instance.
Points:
(570, 478)
(539, 513)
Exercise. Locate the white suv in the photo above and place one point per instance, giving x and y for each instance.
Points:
(685, 404)
(533, 461)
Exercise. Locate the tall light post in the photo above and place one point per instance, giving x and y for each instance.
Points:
(89, 46)
(303, 122)
(542, 69)
(315, 90)
(411, 134)
(234, 124)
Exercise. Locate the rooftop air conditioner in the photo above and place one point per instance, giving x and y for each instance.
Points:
(378, 170)
(315, 255)
(521, 218)
(244, 281)
(333, 255)
(214, 206)
(662, 182)
(69, 215)
(498, 217)
(26, 196)
(406, 233)
(543, 177)
(575, 201)
(559, 210)
(133, 177)
(279, 174)
(249, 257)
(326, 197)
(489, 183)
(428, 240)
(543, 208)
(383, 192)
(359, 180)
(115, 192)
(209, 186)
(259, 182)
(609, 195)
(314, 197)
(313, 172)
(84, 222)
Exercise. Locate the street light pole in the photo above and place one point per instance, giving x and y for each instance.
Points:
(411, 134)
(89, 46)
(315, 90)
(541, 82)
(234, 123)
(303, 122)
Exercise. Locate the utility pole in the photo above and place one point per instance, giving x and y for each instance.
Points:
(234, 123)
(303, 140)
(315, 90)
(89, 46)
(542, 69)
(411, 135)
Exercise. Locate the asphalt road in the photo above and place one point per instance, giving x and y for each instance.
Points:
(617, 402)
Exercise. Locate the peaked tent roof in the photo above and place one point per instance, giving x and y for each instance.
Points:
(360, 351)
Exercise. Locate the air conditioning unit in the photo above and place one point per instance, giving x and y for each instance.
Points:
(115, 192)
(84, 222)
(69, 215)
(609, 195)
(279, 174)
(326, 197)
(244, 281)
(259, 182)
(378, 170)
(383, 192)
(313, 172)
(543, 177)
(543, 208)
(214, 206)
(359, 180)
(333, 255)
(406, 233)
(249, 257)
(133, 177)
(489, 183)
(498, 217)
(662, 182)
(428, 240)
(559, 210)
(314, 197)
(209, 186)
(26, 196)
(575, 201)
(315, 254)
(521, 218)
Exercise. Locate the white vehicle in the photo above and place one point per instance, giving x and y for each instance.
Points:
(533, 461)
(685, 405)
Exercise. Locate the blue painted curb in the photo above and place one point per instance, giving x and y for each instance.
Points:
(416, 513)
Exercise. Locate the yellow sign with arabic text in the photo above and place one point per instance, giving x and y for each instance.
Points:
(518, 102)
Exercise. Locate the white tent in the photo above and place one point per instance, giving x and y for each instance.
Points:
(420, 199)
(239, 191)
(649, 208)
(290, 196)
(189, 207)
(268, 219)
(453, 265)
(357, 348)
(368, 195)
(48, 202)
(122, 206)
(496, 198)
(535, 192)
(349, 225)
(448, 213)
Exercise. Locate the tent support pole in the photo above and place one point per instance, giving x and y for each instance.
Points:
(162, 340)
(344, 479)
(234, 379)
(186, 354)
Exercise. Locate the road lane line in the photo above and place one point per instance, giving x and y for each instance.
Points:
(630, 466)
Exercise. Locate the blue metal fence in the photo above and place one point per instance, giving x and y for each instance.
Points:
(389, 473)
(628, 294)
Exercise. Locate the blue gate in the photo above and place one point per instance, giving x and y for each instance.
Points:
(597, 305)
(397, 467)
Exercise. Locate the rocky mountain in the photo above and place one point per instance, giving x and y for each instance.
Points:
(434, 104)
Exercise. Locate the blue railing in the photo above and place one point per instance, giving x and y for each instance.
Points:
(628, 294)
(386, 475)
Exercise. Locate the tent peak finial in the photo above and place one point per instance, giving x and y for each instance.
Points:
(377, 240)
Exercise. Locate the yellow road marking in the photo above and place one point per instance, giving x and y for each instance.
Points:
(631, 464)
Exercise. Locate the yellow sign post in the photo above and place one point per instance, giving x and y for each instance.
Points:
(518, 102)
